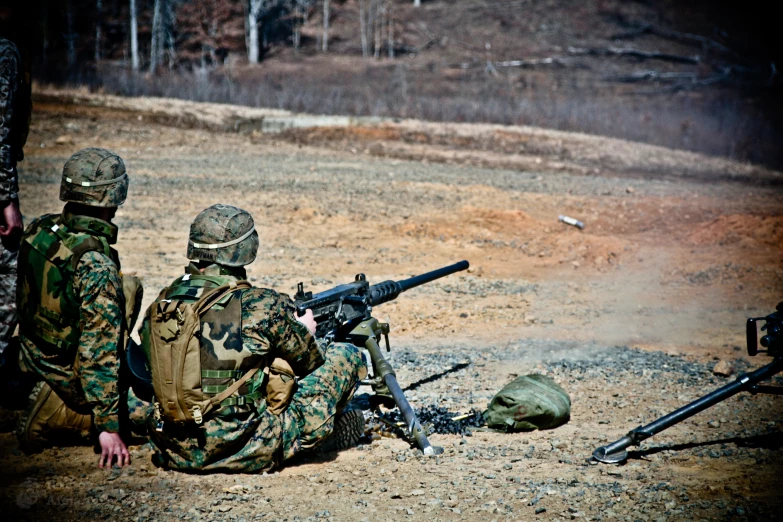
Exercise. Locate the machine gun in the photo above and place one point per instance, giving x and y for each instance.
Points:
(616, 453)
(344, 314)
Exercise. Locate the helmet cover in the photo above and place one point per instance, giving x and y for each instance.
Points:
(95, 177)
(225, 235)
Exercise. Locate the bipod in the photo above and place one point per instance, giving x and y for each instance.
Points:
(616, 453)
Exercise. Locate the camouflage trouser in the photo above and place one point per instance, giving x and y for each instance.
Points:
(7, 295)
(262, 441)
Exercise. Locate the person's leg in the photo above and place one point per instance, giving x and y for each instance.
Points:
(320, 397)
(138, 411)
(7, 295)
(48, 421)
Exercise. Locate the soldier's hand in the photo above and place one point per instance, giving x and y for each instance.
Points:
(11, 220)
(112, 446)
(308, 319)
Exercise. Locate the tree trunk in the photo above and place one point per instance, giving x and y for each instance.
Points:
(325, 39)
(252, 30)
(70, 38)
(390, 30)
(363, 24)
(170, 20)
(156, 46)
(45, 34)
(134, 34)
(98, 9)
(378, 27)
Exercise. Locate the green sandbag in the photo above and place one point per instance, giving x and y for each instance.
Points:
(529, 402)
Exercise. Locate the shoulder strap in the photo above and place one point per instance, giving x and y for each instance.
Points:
(210, 298)
(89, 244)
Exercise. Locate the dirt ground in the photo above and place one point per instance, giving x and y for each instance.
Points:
(629, 315)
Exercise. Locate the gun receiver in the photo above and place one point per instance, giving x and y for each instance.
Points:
(344, 313)
(338, 310)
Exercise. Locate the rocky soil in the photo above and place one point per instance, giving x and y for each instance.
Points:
(630, 315)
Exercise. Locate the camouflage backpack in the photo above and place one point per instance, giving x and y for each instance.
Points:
(175, 357)
(199, 366)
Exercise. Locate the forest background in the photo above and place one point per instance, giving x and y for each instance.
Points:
(688, 74)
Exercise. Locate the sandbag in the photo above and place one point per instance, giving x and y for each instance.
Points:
(529, 402)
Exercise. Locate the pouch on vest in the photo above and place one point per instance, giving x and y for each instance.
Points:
(280, 386)
(175, 358)
(529, 402)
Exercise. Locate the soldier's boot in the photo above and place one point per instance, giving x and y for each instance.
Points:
(134, 293)
(48, 420)
(348, 431)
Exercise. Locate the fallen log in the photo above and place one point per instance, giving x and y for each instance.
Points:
(636, 53)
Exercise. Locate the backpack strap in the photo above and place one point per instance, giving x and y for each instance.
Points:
(225, 394)
(210, 298)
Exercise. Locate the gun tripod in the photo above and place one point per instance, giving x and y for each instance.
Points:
(616, 453)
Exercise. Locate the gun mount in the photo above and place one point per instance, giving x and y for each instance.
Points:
(344, 314)
(616, 452)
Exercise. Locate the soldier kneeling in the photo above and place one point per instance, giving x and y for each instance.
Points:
(240, 382)
(75, 311)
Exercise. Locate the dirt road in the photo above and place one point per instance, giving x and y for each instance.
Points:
(628, 315)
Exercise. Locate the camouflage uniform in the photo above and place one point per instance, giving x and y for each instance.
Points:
(81, 362)
(73, 313)
(14, 125)
(252, 439)
(246, 436)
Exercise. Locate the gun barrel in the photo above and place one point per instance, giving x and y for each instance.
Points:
(407, 284)
(389, 290)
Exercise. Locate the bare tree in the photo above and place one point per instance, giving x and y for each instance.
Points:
(390, 30)
(363, 25)
(325, 39)
(70, 37)
(378, 14)
(134, 36)
(253, 14)
(168, 29)
(158, 36)
(98, 15)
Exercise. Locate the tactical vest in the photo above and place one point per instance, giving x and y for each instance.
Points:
(223, 357)
(48, 307)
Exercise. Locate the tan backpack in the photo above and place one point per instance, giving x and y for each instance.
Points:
(175, 358)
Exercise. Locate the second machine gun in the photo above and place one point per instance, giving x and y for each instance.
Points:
(344, 314)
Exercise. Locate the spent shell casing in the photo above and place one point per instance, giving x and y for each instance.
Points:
(571, 221)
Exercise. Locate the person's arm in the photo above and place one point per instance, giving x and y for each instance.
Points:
(10, 217)
(99, 288)
(270, 319)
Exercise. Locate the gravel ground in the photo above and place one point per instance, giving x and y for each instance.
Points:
(630, 316)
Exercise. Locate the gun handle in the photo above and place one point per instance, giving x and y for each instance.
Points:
(390, 379)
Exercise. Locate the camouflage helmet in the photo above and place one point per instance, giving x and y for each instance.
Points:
(95, 177)
(225, 235)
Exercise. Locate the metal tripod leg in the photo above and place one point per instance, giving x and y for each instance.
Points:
(615, 452)
(365, 335)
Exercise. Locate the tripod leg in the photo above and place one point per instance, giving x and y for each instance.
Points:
(616, 452)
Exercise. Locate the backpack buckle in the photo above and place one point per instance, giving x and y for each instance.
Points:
(158, 418)
(197, 417)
